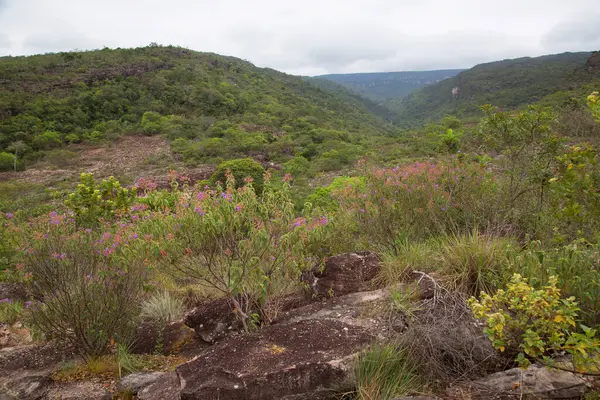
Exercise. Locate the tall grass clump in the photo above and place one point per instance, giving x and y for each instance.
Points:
(474, 262)
(420, 256)
(384, 372)
(163, 308)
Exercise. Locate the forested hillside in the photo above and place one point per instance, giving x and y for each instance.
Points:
(211, 107)
(382, 86)
(506, 84)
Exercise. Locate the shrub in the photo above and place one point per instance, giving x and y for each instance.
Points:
(536, 324)
(240, 168)
(418, 201)
(384, 372)
(162, 308)
(90, 202)
(10, 311)
(249, 248)
(7, 161)
(593, 102)
(90, 285)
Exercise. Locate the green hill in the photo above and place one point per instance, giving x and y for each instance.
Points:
(211, 107)
(507, 84)
(382, 86)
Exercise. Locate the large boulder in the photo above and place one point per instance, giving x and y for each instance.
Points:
(213, 320)
(28, 386)
(343, 274)
(166, 387)
(305, 358)
(136, 382)
(535, 382)
(150, 339)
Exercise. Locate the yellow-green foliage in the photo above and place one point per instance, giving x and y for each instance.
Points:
(593, 102)
(535, 323)
(90, 202)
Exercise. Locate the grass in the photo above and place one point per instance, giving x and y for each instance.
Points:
(107, 368)
(384, 372)
(474, 262)
(163, 308)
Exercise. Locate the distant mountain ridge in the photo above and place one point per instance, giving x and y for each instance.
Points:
(383, 86)
(507, 84)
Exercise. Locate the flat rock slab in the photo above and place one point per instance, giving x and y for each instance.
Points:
(282, 361)
(535, 382)
(78, 391)
(135, 382)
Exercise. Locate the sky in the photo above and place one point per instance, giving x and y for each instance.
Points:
(311, 37)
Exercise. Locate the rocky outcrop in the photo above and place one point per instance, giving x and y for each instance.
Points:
(212, 320)
(173, 337)
(134, 383)
(535, 382)
(343, 274)
(305, 358)
(166, 387)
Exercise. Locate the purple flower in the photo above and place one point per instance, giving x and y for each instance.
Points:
(362, 210)
(28, 304)
(323, 220)
(6, 300)
(200, 211)
(9, 215)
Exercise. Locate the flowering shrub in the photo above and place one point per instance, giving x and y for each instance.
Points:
(90, 202)
(534, 324)
(246, 247)
(419, 200)
(89, 283)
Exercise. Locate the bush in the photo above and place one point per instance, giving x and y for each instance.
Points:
(249, 248)
(535, 324)
(241, 169)
(7, 161)
(90, 202)
(10, 311)
(90, 285)
(418, 201)
(384, 373)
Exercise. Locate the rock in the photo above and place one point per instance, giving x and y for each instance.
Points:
(16, 335)
(174, 337)
(343, 274)
(32, 357)
(536, 382)
(13, 291)
(213, 320)
(134, 383)
(29, 386)
(166, 387)
(304, 358)
(78, 391)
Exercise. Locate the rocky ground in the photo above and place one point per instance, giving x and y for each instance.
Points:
(306, 353)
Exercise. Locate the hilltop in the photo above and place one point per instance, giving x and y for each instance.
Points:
(210, 107)
(382, 86)
(507, 84)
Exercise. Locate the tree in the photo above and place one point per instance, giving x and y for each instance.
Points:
(241, 169)
(18, 148)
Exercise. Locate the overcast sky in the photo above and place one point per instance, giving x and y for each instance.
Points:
(311, 37)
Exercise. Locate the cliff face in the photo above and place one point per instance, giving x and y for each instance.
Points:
(593, 63)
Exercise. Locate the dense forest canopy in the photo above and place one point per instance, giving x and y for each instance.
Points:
(212, 107)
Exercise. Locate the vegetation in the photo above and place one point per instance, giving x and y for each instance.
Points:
(505, 212)
(382, 86)
(508, 84)
(212, 107)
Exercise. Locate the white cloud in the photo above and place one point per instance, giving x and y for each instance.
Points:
(311, 36)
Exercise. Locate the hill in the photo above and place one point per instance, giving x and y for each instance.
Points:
(382, 86)
(507, 84)
(210, 107)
